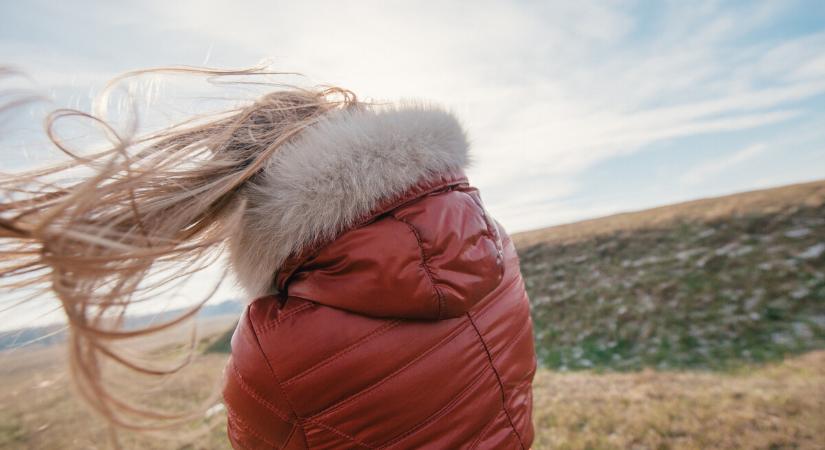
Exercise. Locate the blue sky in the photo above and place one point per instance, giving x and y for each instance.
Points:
(575, 109)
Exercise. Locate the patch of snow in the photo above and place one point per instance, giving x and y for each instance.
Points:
(214, 409)
(800, 292)
(819, 321)
(734, 249)
(686, 254)
(813, 252)
(802, 330)
(707, 233)
(781, 339)
(797, 233)
(752, 302)
(742, 251)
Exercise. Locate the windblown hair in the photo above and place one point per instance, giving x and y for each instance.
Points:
(146, 212)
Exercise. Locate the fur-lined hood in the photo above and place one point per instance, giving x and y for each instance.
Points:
(333, 174)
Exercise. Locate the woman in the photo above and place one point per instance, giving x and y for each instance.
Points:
(388, 311)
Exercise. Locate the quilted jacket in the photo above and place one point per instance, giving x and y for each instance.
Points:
(393, 313)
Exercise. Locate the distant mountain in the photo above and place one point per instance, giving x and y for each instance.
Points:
(50, 334)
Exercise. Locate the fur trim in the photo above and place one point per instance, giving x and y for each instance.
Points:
(334, 173)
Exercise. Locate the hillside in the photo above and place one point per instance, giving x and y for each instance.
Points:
(758, 202)
(705, 284)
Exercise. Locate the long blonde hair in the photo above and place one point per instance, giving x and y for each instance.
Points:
(148, 211)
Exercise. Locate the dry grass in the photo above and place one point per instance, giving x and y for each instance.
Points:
(772, 407)
(779, 406)
(40, 410)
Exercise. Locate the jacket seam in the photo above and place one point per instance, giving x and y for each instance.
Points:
(427, 270)
(339, 433)
(483, 433)
(240, 423)
(274, 323)
(515, 339)
(506, 348)
(290, 436)
(232, 428)
(492, 230)
(488, 302)
(378, 331)
(294, 311)
(437, 414)
(489, 231)
(444, 184)
(498, 378)
(255, 395)
(485, 306)
(298, 421)
(524, 382)
(448, 338)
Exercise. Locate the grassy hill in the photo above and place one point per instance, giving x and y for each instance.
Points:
(706, 284)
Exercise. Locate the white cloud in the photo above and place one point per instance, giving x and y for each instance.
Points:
(701, 173)
(545, 88)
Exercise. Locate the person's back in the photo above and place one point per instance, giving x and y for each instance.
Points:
(388, 308)
(410, 328)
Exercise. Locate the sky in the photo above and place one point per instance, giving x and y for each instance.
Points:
(574, 109)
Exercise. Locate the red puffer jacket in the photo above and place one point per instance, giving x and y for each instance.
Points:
(400, 320)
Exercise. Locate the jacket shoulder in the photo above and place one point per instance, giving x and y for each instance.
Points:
(460, 247)
(432, 258)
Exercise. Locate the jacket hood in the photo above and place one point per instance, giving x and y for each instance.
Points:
(333, 175)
